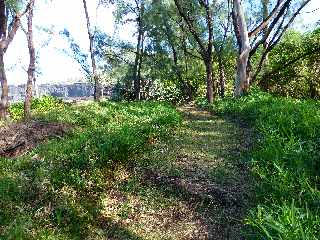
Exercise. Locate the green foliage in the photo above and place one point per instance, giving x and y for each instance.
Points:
(293, 66)
(53, 192)
(285, 162)
(38, 105)
(14, 4)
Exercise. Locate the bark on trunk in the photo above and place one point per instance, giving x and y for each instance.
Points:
(136, 80)
(31, 69)
(138, 57)
(222, 77)
(4, 84)
(6, 37)
(242, 81)
(210, 87)
(4, 88)
(97, 83)
(138, 90)
(265, 12)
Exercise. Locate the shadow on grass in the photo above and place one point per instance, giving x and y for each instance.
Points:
(191, 186)
(202, 168)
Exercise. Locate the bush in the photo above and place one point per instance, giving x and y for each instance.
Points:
(38, 105)
(293, 66)
(285, 162)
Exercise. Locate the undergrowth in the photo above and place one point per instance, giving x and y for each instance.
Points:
(285, 161)
(55, 191)
(38, 105)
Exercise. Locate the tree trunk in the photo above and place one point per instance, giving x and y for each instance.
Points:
(7, 34)
(136, 80)
(222, 77)
(175, 60)
(4, 88)
(31, 69)
(138, 59)
(265, 13)
(3, 78)
(97, 84)
(242, 81)
(138, 90)
(185, 89)
(210, 87)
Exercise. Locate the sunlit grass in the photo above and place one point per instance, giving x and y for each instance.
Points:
(285, 161)
(54, 192)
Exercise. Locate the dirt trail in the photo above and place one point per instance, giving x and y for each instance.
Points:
(198, 182)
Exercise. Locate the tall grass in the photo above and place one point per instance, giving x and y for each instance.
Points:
(285, 161)
(54, 191)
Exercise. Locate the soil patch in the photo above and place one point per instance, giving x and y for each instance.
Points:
(17, 139)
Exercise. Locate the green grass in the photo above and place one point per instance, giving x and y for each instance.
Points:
(158, 199)
(127, 171)
(57, 190)
(285, 162)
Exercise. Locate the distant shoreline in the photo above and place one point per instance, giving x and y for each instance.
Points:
(69, 91)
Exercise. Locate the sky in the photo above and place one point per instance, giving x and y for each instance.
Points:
(57, 15)
(55, 65)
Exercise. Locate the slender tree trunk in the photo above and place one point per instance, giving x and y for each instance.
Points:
(242, 81)
(4, 88)
(265, 13)
(32, 65)
(136, 80)
(138, 59)
(175, 61)
(184, 83)
(210, 86)
(97, 83)
(3, 78)
(138, 89)
(7, 34)
(222, 76)
(175, 58)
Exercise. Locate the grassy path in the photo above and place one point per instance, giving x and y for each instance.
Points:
(191, 186)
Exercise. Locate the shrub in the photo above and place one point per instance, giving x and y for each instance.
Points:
(293, 66)
(38, 105)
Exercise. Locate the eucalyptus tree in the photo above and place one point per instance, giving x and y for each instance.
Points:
(195, 12)
(32, 62)
(266, 33)
(10, 19)
(97, 83)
